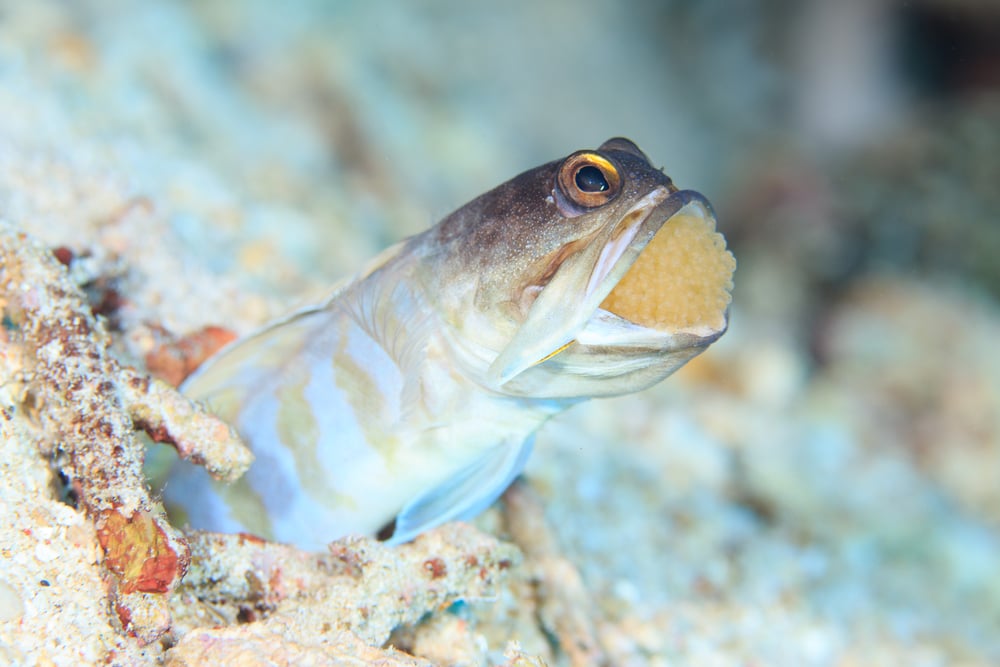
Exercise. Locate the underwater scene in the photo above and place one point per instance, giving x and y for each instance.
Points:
(528, 333)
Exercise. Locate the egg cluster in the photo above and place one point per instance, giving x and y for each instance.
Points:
(681, 280)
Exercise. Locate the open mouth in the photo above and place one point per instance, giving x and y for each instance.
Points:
(681, 281)
(625, 292)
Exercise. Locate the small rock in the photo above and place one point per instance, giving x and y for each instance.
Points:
(45, 553)
(11, 604)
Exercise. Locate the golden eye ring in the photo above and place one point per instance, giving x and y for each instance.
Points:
(588, 180)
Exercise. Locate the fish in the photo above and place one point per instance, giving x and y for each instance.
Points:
(411, 396)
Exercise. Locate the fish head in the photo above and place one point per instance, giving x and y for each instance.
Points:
(587, 276)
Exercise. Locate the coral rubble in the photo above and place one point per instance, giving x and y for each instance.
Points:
(335, 605)
(85, 409)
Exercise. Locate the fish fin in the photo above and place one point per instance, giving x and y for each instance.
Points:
(229, 380)
(236, 373)
(465, 494)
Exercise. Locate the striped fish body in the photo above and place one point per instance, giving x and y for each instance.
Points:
(351, 409)
(412, 395)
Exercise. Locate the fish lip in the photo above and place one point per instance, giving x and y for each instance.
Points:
(606, 329)
(555, 320)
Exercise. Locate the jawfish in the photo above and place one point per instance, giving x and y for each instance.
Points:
(411, 396)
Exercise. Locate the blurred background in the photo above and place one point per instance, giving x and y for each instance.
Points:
(854, 135)
(830, 468)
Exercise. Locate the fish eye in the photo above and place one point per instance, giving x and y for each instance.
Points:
(588, 180)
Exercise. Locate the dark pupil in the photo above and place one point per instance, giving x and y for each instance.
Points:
(590, 179)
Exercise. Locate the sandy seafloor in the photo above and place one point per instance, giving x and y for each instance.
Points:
(820, 488)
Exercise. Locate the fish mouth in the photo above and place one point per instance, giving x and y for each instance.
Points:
(660, 275)
(681, 279)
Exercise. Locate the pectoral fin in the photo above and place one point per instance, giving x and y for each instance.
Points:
(465, 494)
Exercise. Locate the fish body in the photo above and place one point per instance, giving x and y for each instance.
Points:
(412, 394)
